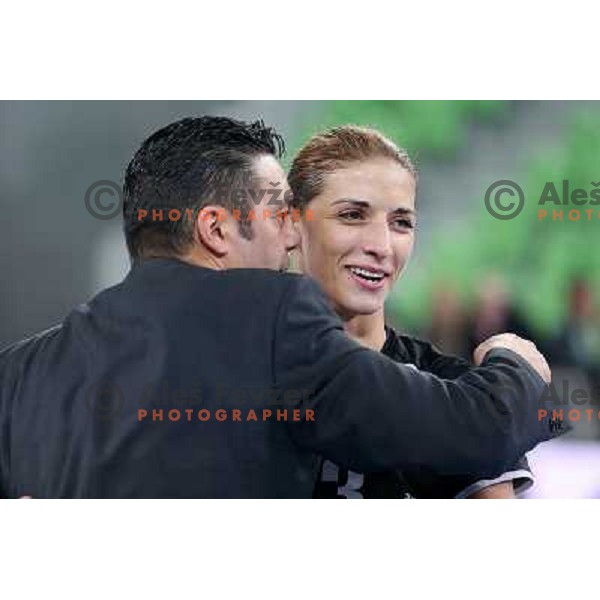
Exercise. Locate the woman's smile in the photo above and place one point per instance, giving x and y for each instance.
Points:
(368, 278)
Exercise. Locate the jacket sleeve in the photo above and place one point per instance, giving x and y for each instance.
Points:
(373, 414)
(428, 483)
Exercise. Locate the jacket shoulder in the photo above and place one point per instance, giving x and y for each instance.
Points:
(270, 288)
(15, 362)
(263, 278)
(21, 352)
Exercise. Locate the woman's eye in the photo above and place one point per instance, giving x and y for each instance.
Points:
(351, 215)
(403, 224)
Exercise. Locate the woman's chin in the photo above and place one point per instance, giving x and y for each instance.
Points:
(359, 307)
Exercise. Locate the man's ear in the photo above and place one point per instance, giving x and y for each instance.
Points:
(212, 229)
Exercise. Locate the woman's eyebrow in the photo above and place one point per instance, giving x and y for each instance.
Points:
(403, 211)
(365, 204)
(354, 201)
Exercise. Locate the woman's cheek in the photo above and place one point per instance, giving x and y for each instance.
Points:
(401, 264)
(406, 250)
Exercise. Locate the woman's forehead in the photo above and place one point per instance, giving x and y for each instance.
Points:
(383, 185)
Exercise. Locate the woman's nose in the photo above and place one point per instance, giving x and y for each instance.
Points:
(377, 241)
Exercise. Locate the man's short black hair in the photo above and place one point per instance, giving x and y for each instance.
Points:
(182, 166)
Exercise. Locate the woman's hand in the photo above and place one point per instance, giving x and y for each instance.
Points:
(523, 348)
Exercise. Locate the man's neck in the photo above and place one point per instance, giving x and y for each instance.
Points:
(202, 259)
(368, 330)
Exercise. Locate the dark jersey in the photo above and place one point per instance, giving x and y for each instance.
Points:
(335, 482)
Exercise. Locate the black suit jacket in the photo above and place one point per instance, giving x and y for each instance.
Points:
(175, 337)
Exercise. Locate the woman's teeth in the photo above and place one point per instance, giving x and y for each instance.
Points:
(370, 275)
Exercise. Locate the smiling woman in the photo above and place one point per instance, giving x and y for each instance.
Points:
(362, 234)
(361, 189)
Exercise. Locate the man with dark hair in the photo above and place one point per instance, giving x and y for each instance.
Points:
(131, 396)
(216, 155)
